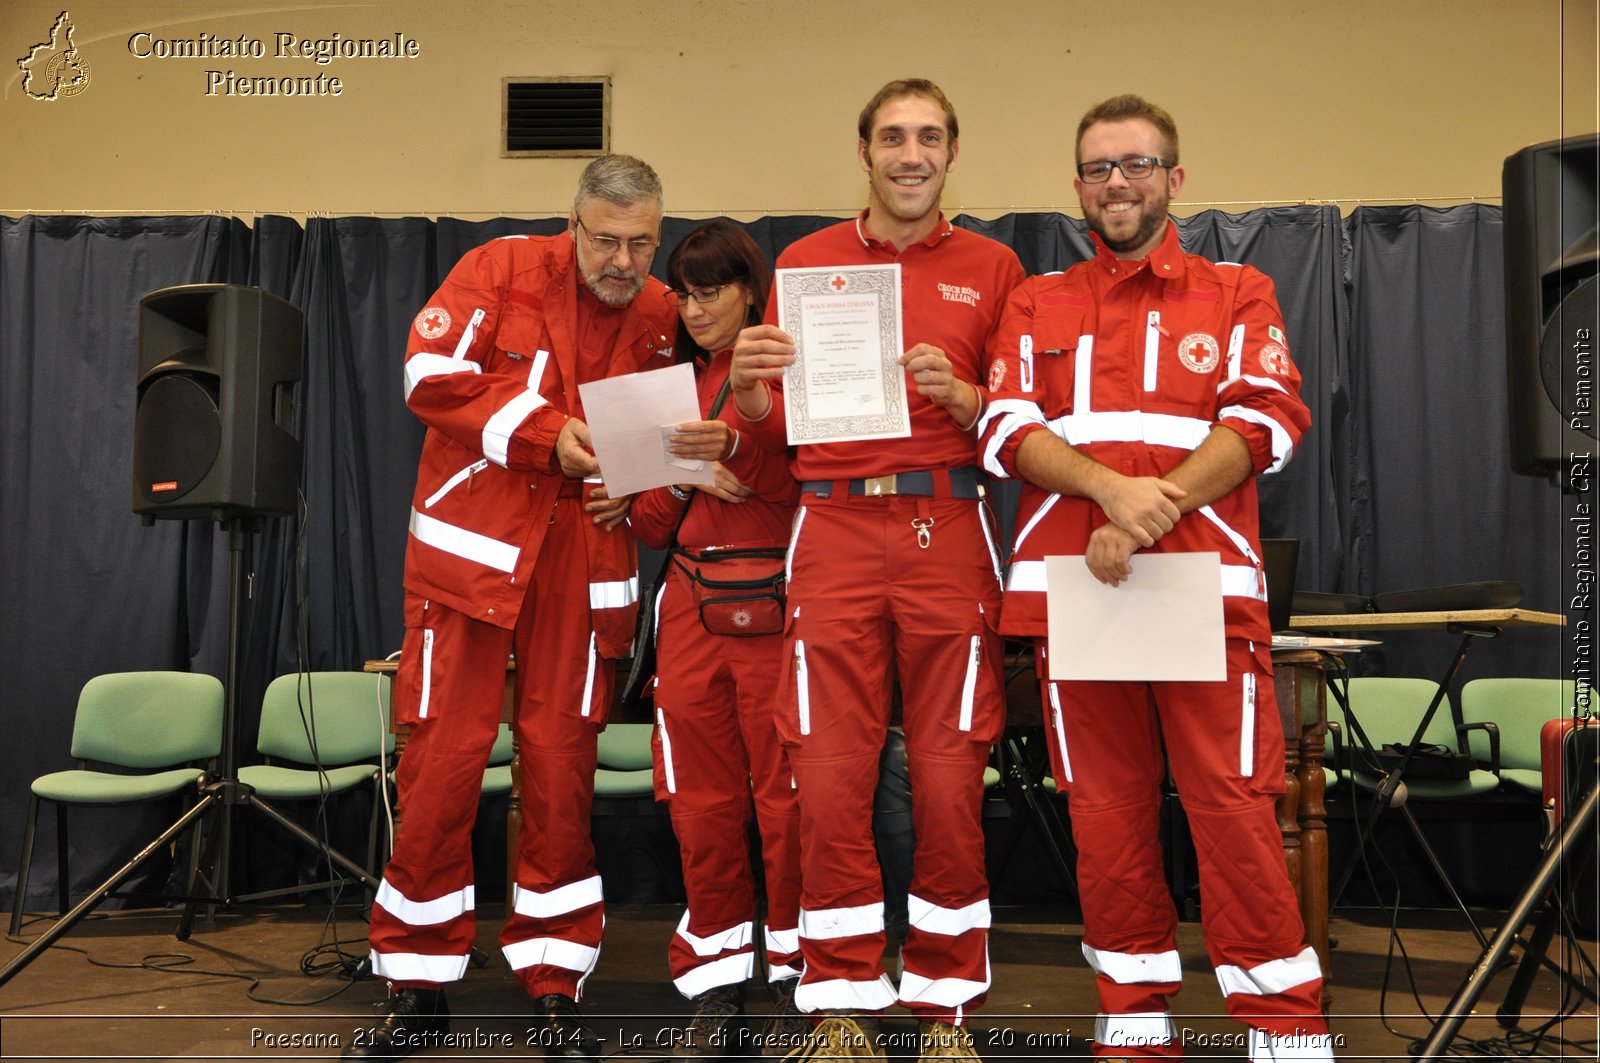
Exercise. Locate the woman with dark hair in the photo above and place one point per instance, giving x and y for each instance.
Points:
(719, 648)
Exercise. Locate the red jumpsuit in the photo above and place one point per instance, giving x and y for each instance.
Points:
(1134, 363)
(716, 742)
(502, 559)
(872, 600)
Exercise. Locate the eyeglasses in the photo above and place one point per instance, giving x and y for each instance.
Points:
(1133, 168)
(699, 295)
(638, 247)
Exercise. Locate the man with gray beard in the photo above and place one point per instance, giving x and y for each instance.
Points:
(513, 550)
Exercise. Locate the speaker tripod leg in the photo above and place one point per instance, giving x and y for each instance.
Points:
(1538, 888)
(102, 891)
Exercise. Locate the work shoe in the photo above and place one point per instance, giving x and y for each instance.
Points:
(942, 1041)
(840, 1037)
(717, 1028)
(412, 1019)
(559, 1029)
(785, 1028)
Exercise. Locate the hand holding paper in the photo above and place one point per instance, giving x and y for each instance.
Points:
(627, 419)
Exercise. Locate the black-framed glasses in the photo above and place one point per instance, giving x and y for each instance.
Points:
(638, 247)
(699, 295)
(1134, 167)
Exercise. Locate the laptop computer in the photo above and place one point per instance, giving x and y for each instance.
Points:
(1280, 558)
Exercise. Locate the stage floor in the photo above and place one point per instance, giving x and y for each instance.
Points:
(119, 986)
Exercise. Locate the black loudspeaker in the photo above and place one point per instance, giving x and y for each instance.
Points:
(1552, 280)
(212, 432)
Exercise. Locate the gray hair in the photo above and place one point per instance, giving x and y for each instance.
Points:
(619, 179)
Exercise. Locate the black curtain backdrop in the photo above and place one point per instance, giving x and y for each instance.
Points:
(1394, 317)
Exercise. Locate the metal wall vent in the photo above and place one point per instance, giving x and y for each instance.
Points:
(555, 116)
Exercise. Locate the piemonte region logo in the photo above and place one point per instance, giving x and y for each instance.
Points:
(55, 69)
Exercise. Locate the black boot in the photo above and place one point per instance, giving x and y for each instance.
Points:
(412, 1019)
(560, 1029)
(717, 1028)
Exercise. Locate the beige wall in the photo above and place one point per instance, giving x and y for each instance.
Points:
(749, 108)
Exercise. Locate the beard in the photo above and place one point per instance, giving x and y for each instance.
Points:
(610, 297)
(1152, 220)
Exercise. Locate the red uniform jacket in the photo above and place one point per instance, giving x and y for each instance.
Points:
(1134, 364)
(491, 369)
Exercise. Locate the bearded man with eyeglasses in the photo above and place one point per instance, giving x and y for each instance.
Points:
(1138, 395)
(514, 550)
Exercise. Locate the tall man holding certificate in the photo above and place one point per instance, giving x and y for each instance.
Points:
(893, 576)
(1138, 395)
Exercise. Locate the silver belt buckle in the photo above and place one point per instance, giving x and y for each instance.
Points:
(880, 485)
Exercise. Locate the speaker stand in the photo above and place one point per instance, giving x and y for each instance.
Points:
(1575, 844)
(220, 795)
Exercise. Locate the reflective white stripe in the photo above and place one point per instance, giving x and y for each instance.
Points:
(1272, 977)
(502, 557)
(1136, 968)
(802, 689)
(1132, 426)
(1083, 374)
(468, 333)
(1238, 581)
(1256, 381)
(1011, 419)
(552, 952)
(1242, 581)
(425, 913)
(1134, 1029)
(416, 967)
(782, 942)
(500, 427)
(1247, 725)
(614, 594)
(427, 672)
(563, 900)
(536, 374)
(794, 538)
(1026, 576)
(421, 366)
(1025, 361)
(1061, 732)
(932, 919)
(1240, 542)
(666, 756)
(1266, 1047)
(839, 994)
(738, 936)
(988, 537)
(1282, 443)
(587, 705)
(1152, 348)
(451, 484)
(1235, 350)
(825, 924)
(1033, 521)
(945, 992)
(730, 970)
(969, 685)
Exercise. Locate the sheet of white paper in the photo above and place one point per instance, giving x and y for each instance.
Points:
(1163, 624)
(626, 417)
(846, 382)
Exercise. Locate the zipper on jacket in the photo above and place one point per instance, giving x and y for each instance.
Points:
(455, 481)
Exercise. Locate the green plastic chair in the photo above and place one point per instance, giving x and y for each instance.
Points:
(1519, 708)
(625, 764)
(339, 720)
(497, 776)
(1388, 708)
(163, 727)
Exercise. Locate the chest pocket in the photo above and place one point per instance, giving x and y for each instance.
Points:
(1190, 348)
(1050, 352)
(522, 348)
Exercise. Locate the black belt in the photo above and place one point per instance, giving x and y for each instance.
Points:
(966, 482)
